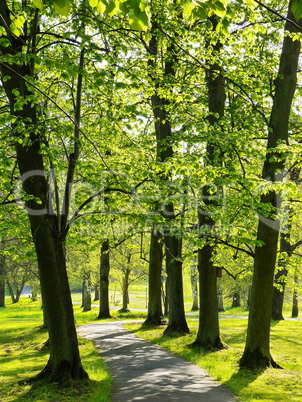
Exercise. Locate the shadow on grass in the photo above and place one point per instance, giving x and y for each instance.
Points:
(80, 390)
(242, 378)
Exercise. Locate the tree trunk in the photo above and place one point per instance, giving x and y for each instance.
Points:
(208, 336)
(64, 361)
(96, 293)
(285, 247)
(47, 230)
(177, 318)
(104, 311)
(257, 347)
(220, 300)
(2, 280)
(194, 280)
(278, 295)
(164, 291)
(295, 307)
(125, 289)
(87, 292)
(11, 291)
(155, 313)
(236, 299)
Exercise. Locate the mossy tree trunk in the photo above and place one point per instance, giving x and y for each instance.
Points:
(104, 311)
(257, 347)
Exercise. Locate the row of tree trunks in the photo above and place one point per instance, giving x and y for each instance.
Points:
(257, 347)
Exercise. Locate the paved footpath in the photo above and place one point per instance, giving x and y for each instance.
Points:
(143, 371)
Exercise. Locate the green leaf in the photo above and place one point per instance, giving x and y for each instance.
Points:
(251, 4)
(101, 7)
(93, 3)
(200, 13)
(62, 7)
(138, 20)
(187, 12)
(38, 4)
(219, 9)
(297, 9)
(112, 8)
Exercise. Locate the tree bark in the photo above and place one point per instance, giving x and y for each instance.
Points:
(155, 313)
(257, 347)
(104, 311)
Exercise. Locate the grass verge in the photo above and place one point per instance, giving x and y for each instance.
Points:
(268, 385)
(21, 357)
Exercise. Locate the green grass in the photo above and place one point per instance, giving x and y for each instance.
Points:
(269, 385)
(21, 341)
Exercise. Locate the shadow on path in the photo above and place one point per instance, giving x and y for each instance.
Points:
(143, 371)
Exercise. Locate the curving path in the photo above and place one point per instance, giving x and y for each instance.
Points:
(143, 371)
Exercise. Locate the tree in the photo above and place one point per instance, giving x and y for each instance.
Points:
(48, 227)
(208, 331)
(164, 138)
(257, 350)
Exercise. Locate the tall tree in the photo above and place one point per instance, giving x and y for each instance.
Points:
(164, 139)
(257, 347)
(48, 228)
(208, 335)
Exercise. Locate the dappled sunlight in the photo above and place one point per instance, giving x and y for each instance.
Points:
(143, 371)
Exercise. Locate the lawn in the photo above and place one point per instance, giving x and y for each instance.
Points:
(268, 385)
(22, 356)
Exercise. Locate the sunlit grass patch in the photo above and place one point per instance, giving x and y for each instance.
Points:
(21, 357)
(268, 385)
